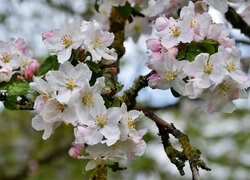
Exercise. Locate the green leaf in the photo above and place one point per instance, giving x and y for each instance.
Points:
(116, 103)
(106, 101)
(181, 54)
(11, 103)
(5, 85)
(93, 66)
(50, 63)
(18, 89)
(96, 6)
(175, 94)
(94, 77)
(125, 10)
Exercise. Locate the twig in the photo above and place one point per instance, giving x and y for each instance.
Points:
(178, 157)
(195, 171)
(237, 22)
(242, 41)
(129, 96)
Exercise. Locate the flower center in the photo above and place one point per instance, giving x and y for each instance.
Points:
(207, 68)
(88, 99)
(224, 87)
(175, 31)
(97, 42)
(66, 40)
(231, 66)
(101, 121)
(6, 58)
(59, 106)
(116, 145)
(169, 75)
(138, 27)
(70, 83)
(193, 24)
(131, 123)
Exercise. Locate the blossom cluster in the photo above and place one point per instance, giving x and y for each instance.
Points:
(16, 57)
(215, 77)
(65, 96)
(88, 36)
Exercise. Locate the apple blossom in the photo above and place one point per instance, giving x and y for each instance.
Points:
(62, 41)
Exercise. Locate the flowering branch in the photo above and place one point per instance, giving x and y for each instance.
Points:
(178, 157)
(237, 22)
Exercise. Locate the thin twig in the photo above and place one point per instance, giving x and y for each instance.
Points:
(237, 22)
(195, 171)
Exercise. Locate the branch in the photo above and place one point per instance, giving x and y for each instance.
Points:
(242, 41)
(129, 96)
(178, 157)
(237, 21)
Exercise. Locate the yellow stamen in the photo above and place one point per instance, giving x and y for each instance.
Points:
(88, 99)
(224, 86)
(6, 58)
(70, 83)
(97, 42)
(232, 66)
(138, 27)
(116, 145)
(131, 123)
(67, 40)
(59, 106)
(193, 24)
(175, 31)
(169, 75)
(207, 68)
(101, 121)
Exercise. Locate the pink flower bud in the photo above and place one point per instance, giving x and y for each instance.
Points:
(83, 130)
(74, 152)
(21, 45)
(33, 66)
(113, 69)
(19, 78)
(28, 73)
(154, 45)
(161, 23)
(156, 56)
(153, 76)
(47, 35)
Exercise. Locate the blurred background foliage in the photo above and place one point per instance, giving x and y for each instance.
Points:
(224, 139)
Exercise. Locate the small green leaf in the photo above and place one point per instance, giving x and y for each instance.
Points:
(106, 101)
(94, 77)
(11, 103)
(125, 10)
(50, 63)
(18, 89)
(181, 54)
(96, 6)
(93, 66)
(175, 94)
(116, 103)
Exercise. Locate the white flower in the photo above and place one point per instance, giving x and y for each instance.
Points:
(85, 98)
(68, 79)
(54, 111)
(177, 31)
(220, 5)
(5, 74)
(97, 41)
(9, 57)
(137, 27)
(220, 98)
(62, 41)
(231, 62)
(45, 91)
(127, 123)
(170, 73)
(38, 124)
(210, 70)
(103, 123)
